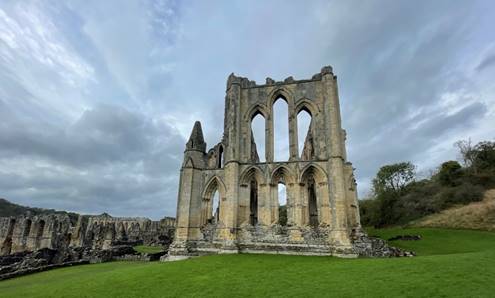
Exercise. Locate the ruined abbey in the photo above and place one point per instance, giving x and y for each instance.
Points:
(58, 232)
(322, 206)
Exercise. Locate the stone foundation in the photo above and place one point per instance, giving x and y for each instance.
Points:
(278, 239)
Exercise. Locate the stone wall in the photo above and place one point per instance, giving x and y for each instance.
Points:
(55, 231)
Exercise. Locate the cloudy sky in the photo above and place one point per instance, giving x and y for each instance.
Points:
(97, 98)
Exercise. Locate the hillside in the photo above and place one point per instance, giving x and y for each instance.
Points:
(476, 216)
(10, 209)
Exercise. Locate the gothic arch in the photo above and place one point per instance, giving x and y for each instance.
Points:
(307, 105)
(252, 172)
(280, 93)
(208, 211)
(317, 171)
(255, 110)
(284, 174)
(213, 184)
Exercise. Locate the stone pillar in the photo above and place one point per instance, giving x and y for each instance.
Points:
(274, 203)
(264, 204)
(183, 204)
(335, 167)
(324, 211)
(293, 141)
(248, 143)
(291, 203)
(226, 230)
(269, 142)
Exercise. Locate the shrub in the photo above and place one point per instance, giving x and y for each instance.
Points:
(450, 173)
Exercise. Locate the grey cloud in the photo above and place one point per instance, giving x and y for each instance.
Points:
(110, 159)
(488, 61)
(107, 147)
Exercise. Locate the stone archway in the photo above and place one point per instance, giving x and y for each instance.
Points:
(207, 213)
(315, 199)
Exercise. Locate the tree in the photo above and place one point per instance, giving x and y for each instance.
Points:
(450, 172)
(393, 177)
(466, 150)
(484, 156)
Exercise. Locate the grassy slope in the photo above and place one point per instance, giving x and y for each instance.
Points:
(451, 263)
(476, 216)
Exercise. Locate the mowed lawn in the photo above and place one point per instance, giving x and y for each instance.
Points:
(450, 263)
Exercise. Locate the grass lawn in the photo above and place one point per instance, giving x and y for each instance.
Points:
(450, 263)
(144, 249)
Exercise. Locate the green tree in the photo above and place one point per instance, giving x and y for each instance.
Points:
(393, 177)
(484, 156)
(449, 174)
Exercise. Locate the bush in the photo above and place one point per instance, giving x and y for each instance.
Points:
(369, 212)
(450, 173)
(484, 156)
(398, 199)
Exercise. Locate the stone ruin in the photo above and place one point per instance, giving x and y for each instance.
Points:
(322, 205)
(32, 243)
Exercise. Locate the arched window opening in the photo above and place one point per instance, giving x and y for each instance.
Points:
(41, 228)
(220, 157)
(304, 137)
(258, 138)
(27, 229)
(282, 204)
(312, 203)
(280, 130)
(7, 243)
(215, 212)
(39, 233)
(253, 202)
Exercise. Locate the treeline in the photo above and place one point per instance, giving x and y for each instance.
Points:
(399, 198)
(10, 209)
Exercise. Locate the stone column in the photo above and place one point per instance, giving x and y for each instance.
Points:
(183, 204)
(324, 211)
(296, 194)
(335, 167)
(291, 203)
(293, 141)
(274, 203)
(247, 143)
(269, 138)
(226, 230)
(264, 204)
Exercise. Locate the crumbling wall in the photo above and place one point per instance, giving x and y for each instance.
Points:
(57, 232)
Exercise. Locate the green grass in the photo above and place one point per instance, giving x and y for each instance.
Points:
(145, 249)
(450, 263)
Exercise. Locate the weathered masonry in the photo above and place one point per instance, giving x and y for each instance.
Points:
(322, 209)
(56, 231)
